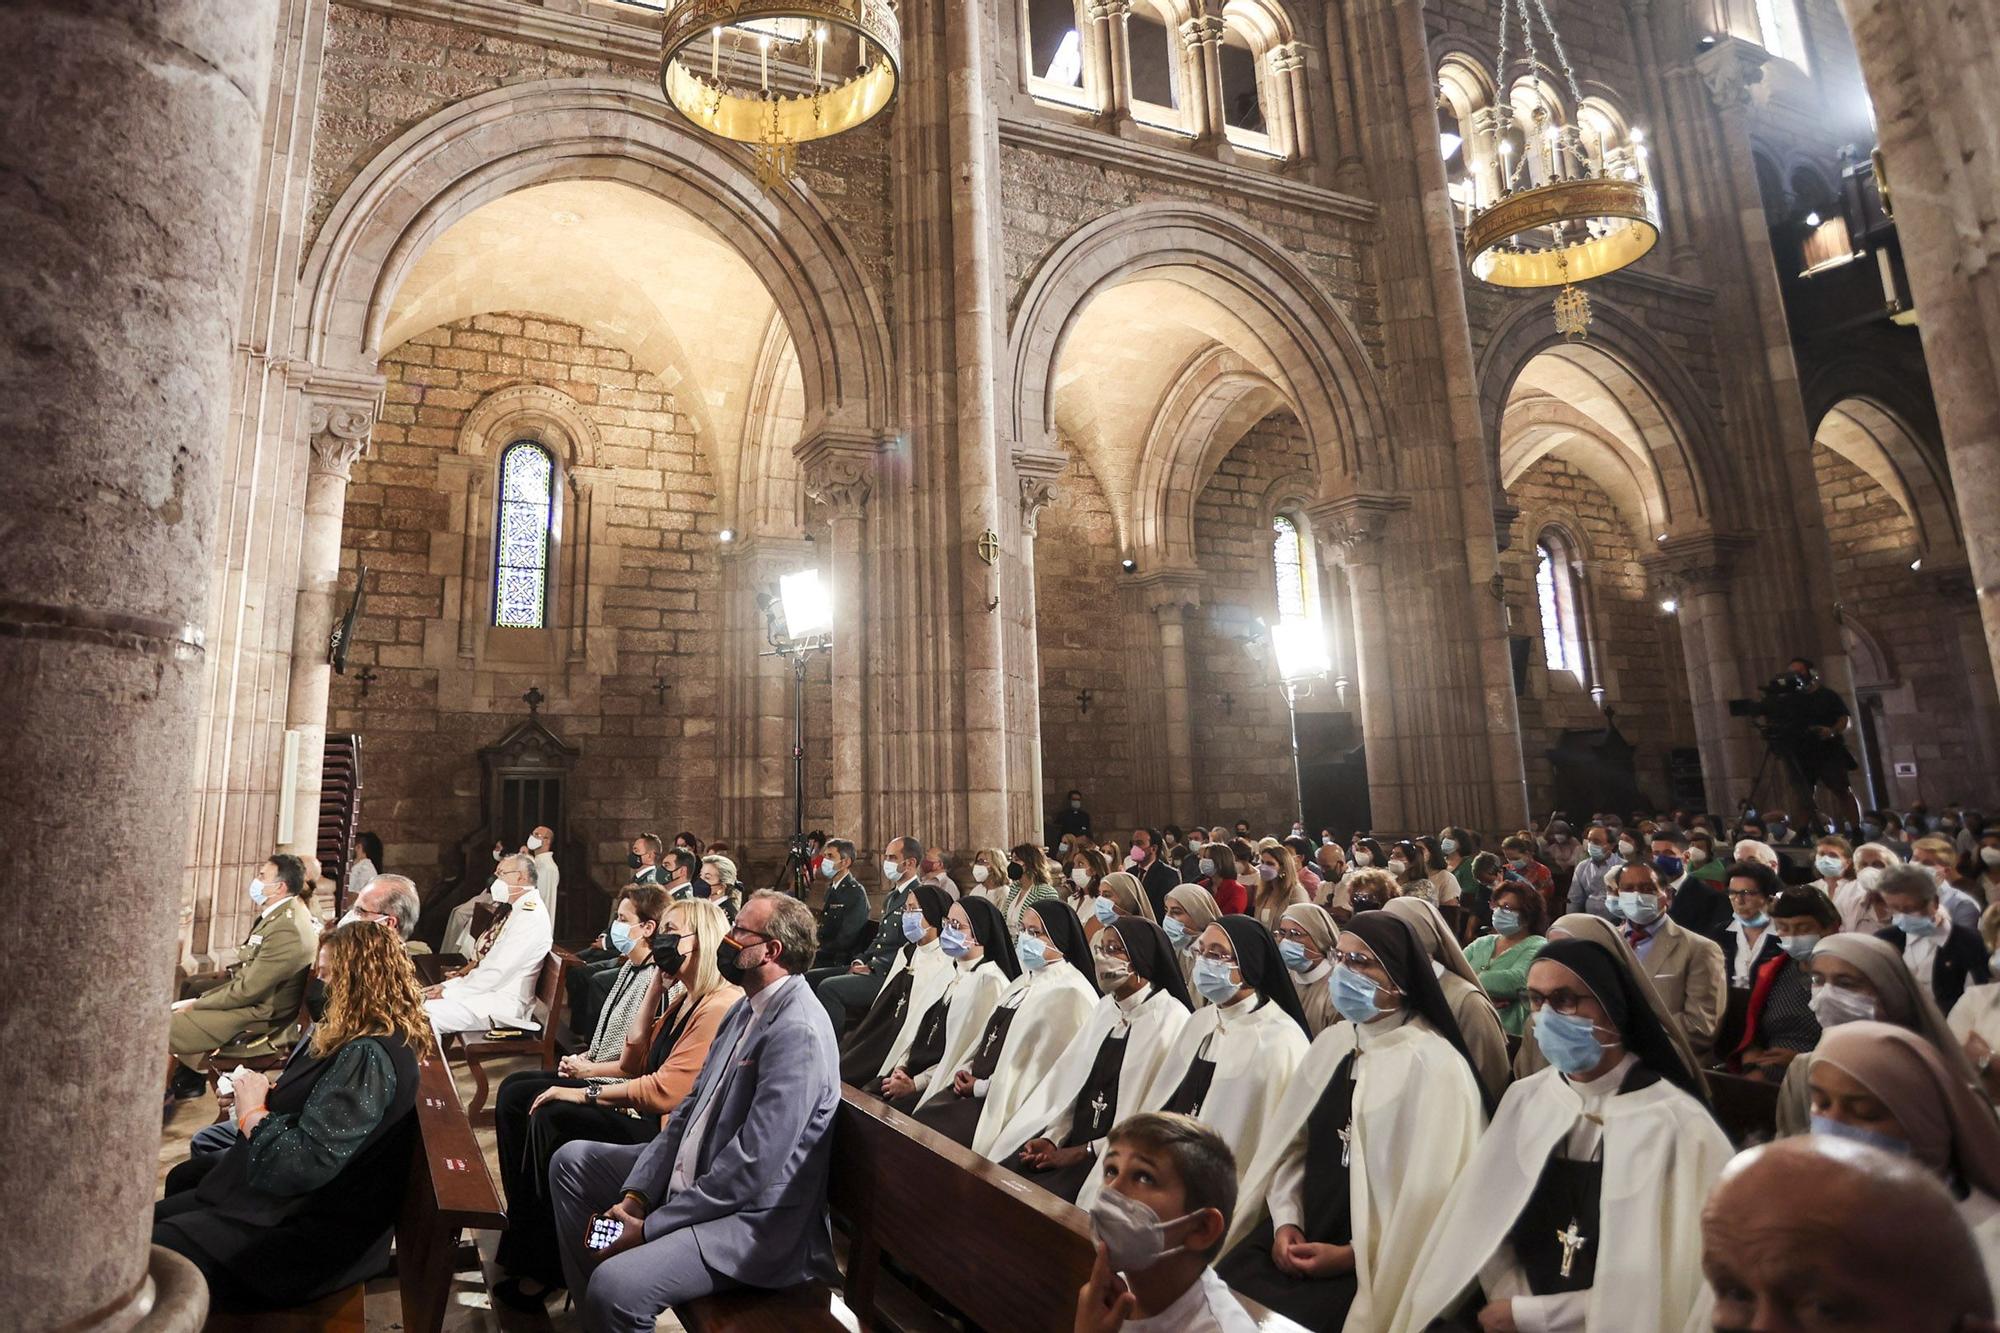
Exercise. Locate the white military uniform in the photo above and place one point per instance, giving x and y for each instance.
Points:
(500, 990)
(458, 926)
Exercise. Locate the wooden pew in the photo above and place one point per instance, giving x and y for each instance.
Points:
(449, 1190)
(978, 1238)
(544, 1043)
(1746, 1108)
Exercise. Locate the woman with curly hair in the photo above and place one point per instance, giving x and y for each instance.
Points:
(1016, 882)
(305, 1200)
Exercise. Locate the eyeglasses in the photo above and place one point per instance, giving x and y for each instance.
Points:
(1562, 1001)
(1294, 934)
(1355, 959)
(1216, 956)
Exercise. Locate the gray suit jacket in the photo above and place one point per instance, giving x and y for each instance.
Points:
(757, 1205)
(1687, 971)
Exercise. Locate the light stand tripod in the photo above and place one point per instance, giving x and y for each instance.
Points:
(797, 624)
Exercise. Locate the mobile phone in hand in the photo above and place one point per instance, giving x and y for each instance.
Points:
(604, 1232)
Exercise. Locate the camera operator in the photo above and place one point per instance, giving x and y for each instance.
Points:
(1812, 722)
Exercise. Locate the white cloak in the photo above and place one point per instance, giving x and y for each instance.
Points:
(1255, 1050)
(1417, 1119)
(1051, 1007)
(500, 990)
(1662, 1153)
(932, 972)
(1150, 1028)
(973, 992)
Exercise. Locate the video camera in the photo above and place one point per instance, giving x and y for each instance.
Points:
(1777, 708)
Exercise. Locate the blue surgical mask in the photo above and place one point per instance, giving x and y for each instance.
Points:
(1207, 867)
(829, 869)
(1294, 954)
(954, 941)
(1506, 920)
(1641, 909)
(1569, 1041)
(1612, 907)
(1354, 995)
(1598, 851)
(1923, 927)
(913, 926)
(1799, 946)
(1177, 934)
(1105, 910)
(1840, 1129)
(1757, 922)
(1211, 978)
(621, 937)
(1829, 867)
(1447, 845)
(1034, 954)
(1670, 867)
(257, 892)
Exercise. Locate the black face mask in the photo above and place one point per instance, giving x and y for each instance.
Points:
(634, 861)
(1013, 870)
(667, 953)
(316, 999)
(728, 956)
(702, 888)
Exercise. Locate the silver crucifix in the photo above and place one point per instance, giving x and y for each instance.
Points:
(1571, 1240)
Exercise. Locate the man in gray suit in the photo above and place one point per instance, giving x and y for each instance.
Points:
(733, 1191)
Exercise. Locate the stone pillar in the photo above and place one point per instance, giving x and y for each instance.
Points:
(343, 412)
(1287, 64)
(1170, 595)
(1351, 534)
(1670, 180)
(1929, 67)
(1112, 55)
(1037, 471)
(1201, 39)
(1695, 571)
(840, 474)
(130, 136)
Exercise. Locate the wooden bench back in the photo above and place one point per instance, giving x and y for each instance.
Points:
(547, 1009)
(449, 1189)
(1009, 1255)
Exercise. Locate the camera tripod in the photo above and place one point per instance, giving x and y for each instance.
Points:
(1789, 766)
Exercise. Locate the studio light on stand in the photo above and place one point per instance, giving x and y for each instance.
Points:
(798, 623)
(1300, 649)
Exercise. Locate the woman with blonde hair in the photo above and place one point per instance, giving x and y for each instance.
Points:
(665, 1043)
(1277, 886)
(304, 1201)
(718, 874)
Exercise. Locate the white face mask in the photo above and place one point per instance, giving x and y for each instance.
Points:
(1397, 866)
(979, 874)
(1868, 877)
(1134, 1236)
(1364, 858)
(1990, 857)
(534, 843)
(501, 890)
(1080, 877)
(892, 869)
(1833, 1006)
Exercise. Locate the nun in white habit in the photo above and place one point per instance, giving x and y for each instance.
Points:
(1581, 1207)
(1055, 1139)
(1232, 1061)
(988, 1070)
(1373, 1131)
(975, 938)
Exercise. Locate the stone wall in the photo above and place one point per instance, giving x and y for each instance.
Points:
(1925, 716)
(1636, 645)
(648, 763)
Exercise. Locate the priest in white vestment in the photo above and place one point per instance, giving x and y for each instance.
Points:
(1581, 1207)
(1232, 1060)
(987, 1072)
(1057, 1137)
(1370, 1137)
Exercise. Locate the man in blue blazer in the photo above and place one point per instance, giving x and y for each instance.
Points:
(733, 1191)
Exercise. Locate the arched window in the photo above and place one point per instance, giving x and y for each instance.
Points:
(1555, 592)
(1288, 562)
(1783, 34)
(1054, 50)
(1242, 100)
(1156, 64)
(521, 555)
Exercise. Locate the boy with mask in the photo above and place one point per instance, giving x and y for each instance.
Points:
(1169, 1193)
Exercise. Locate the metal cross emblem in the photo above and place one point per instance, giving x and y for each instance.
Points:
(987, 1049)
(902, 1003)
(1097, 1108)
(1571, 1240)
(1347, 1145)
(989, 546)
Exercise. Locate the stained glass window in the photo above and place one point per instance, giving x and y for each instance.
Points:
(521, 561)
(1554, 593)
(1288, 558)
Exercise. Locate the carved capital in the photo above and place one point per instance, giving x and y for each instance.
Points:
(341, 411)
(1730, 69)
(1695, 564)
(1504, 518)
(1037, 470)
(1168, 592)
(1106, 11)
(1284, 59)
(1199, 32)
(839, 469)
(1351, 529)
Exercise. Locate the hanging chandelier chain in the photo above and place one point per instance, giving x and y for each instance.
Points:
(1562, 56)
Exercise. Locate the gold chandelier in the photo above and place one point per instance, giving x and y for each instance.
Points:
(778, 73)
(1567, 210)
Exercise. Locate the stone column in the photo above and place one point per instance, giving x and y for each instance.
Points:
(840, 474)
(1201, 38)
(130, 137)
(1037, 471)
(1695, 571)
(1171, 595)
(1112, 56)
(1287, 65)
(1672, 157)
(343, 412)
(1351, 533)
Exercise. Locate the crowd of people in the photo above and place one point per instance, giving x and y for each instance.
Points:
(1434, 1081)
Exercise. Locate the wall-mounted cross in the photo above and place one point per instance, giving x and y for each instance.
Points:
(1083, 701)
(534, 698)
(660, 687)
(1228, 703)
(367, 676)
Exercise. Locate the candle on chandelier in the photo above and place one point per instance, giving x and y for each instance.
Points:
(819, 50)
(715, 55)
(764, 61)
